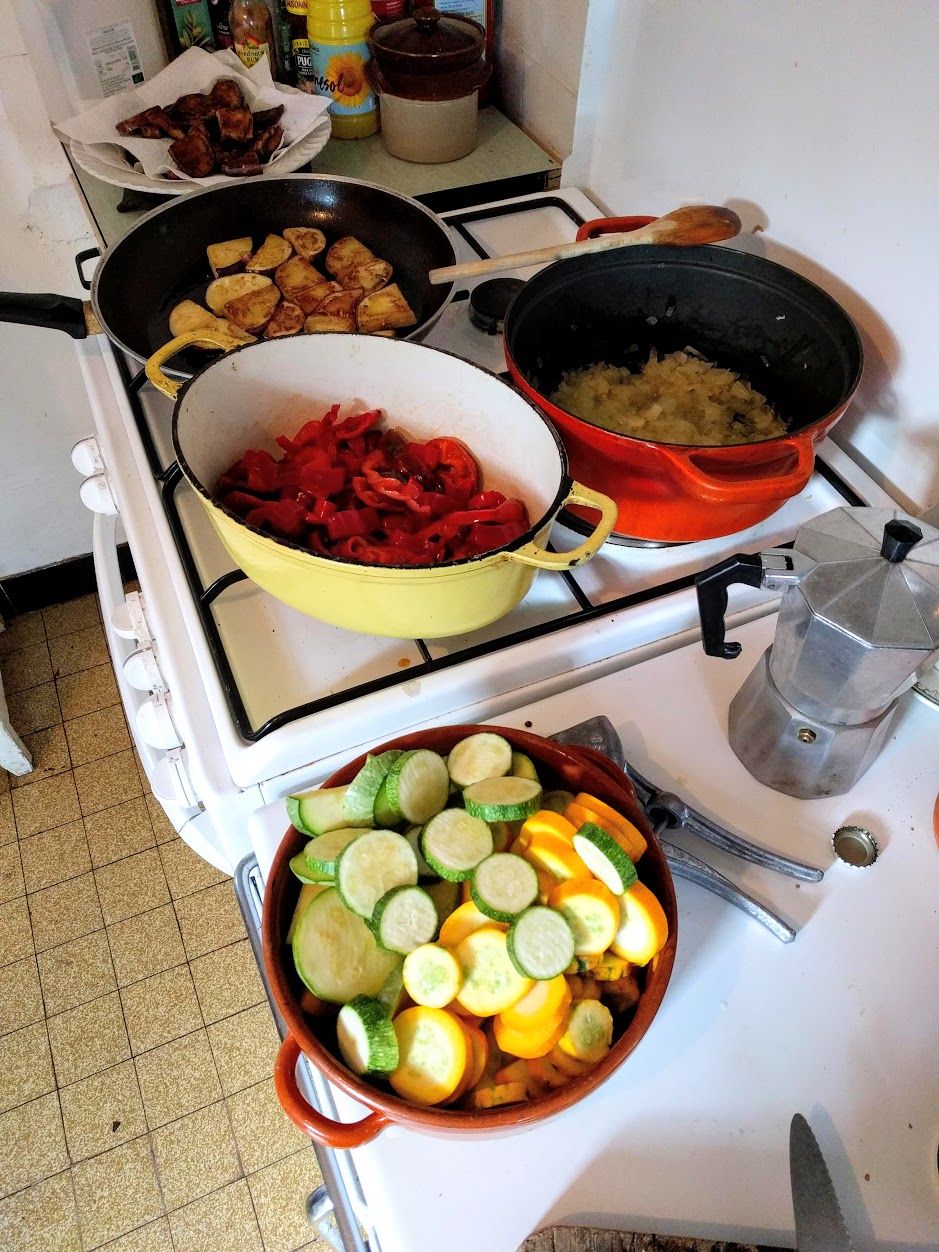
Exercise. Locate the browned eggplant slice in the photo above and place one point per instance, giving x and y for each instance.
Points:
(345, 254)
(320, 323)
(194, 154)
(386, 309)
(340, 304)
(191, 107)
(267, 143)
(267, 117)
(310, 298)
(254, 309)
(223, 290)
(287, 320)
(296, 275)
(226, 94)
(234, 125)
(229, 257)
(307, 241)
(370, 276)
(274, 251)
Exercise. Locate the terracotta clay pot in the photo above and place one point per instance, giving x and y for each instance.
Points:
(575, 769)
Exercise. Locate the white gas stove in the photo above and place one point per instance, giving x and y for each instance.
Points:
(236, 700)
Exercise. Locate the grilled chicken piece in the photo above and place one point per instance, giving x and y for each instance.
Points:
(234, 125)
(266, 118)
(226, 94)
(287, 320)
(194, 154)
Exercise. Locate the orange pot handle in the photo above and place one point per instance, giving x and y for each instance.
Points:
(320, 1129)
(754, 483)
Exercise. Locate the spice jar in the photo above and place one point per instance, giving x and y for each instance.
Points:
(427, 70)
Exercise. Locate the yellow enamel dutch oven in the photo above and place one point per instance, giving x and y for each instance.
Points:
(247, 397)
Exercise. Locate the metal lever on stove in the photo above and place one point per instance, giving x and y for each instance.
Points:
(681, 814)
(684, 865)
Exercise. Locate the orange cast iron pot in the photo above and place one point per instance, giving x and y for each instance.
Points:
(575, 769)
(782, 333)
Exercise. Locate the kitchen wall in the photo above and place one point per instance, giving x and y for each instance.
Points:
(819, 123)
(539, 49)
(43, 407)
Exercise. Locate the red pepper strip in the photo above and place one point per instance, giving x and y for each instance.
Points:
(237, 472)
(424, 454)
(241, 503)
(486, 500)
(351, 522)
(263, 472)
(323, 482)
(367, 495)
(284, 517)
(310, 457)
(315, 543)
(353, 427)
(288, 445)
(486, 538)
(446, 527)
(320, 513)
(456, 467)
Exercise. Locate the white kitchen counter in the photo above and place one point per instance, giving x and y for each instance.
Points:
(690, 1136)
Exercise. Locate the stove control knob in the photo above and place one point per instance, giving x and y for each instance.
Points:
(154, 723)
(143, 672)
(86, 457)
(171, 782)
(96, 495)
(130, 619)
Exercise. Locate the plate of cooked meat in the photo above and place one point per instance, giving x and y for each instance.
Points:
(202, 121)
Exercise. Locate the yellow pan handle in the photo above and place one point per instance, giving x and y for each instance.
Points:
(204, 337)
(534, 554)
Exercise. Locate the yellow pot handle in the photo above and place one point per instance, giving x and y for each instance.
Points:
(534, 554)
(204, 337)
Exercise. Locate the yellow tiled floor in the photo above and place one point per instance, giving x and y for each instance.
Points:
(137, 1108)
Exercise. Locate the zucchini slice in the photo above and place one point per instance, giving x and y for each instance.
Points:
(304, 871)
(308, 892)
(556, 801)
(523, 767)
(432, 975)
(491, 981)
(392, 991)
(503, 886)
(336, 954)
(591, 909)
(589, 1032)
(361, 793)
(454, 843)
(366, 1037)
(413, 836)
(479, 756)
(404, 918)
(322, 853)
(315, 812)
(445, 895)
(370, 866)
(417, 785)
(432, 1053)
(502, 799)
(605, 859)
(540, 943)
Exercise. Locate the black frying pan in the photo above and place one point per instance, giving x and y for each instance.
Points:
(162, 259)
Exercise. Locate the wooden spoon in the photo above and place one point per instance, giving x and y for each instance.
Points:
(697, 223)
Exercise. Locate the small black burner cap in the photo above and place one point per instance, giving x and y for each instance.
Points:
(489, 301)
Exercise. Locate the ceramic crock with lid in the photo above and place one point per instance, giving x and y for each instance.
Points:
(427, 70)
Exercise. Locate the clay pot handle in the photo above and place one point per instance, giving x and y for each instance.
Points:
(320, 1129)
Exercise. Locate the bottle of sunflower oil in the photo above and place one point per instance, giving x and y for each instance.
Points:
(338, 53)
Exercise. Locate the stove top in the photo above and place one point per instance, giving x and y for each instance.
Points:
(276, 669)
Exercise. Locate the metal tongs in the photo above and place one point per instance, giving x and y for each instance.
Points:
(667, 811)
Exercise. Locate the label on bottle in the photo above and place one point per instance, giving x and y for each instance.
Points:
(250, 52)
(476, 9)
(116, 56)
(297, 7)
(303, 64)
(338, 71)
